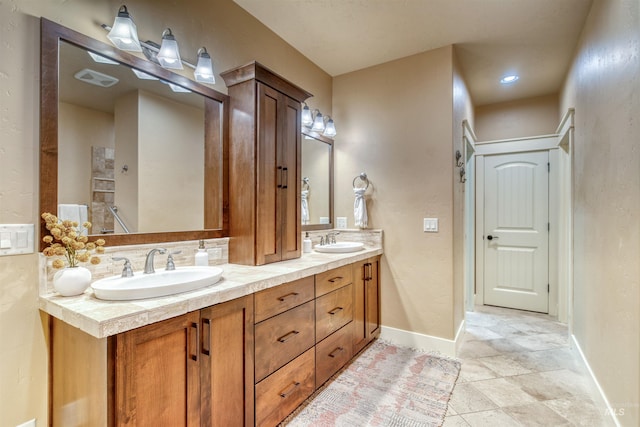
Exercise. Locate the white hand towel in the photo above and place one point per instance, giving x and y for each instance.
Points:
(73, 212)
(360, 208)
(305, 207)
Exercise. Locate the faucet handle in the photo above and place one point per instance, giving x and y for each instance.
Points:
(127, 271)
(170, 264)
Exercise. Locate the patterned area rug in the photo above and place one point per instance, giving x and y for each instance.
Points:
(386, 385)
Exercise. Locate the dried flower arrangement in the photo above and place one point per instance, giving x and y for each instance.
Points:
(71, 243)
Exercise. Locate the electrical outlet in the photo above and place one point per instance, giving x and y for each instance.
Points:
(341, 222)
(430, 225)
(31, 423)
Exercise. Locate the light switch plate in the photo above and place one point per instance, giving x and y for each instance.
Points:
(16, 239)
(341, 222)
(430, 225)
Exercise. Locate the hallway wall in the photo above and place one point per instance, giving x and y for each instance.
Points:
(517, 119)
(604, 87)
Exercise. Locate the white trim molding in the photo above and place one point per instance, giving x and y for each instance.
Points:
(602, 403)
(424, 342)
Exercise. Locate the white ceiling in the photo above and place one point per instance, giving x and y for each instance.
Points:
(533, 38)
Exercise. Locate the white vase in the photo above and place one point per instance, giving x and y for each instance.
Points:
(71, 281)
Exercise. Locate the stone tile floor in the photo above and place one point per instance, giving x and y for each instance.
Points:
(518, 370)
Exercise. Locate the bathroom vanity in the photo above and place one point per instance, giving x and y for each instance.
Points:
(246, 351)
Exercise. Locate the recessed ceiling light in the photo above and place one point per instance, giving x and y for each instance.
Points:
(509, 79)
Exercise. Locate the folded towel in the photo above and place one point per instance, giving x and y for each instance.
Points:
(305, 207)
(72, 212)
(360, 208)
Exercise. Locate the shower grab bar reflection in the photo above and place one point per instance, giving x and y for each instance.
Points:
(114, 212)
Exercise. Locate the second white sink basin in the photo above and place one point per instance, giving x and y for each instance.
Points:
(340, 247)
(158, 284)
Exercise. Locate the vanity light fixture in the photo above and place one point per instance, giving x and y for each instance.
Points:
(318, 123)
(169, 54)
(124, 34)
(306, 116)
(315, 121)
(101, 59)
(204, 68)
(142, 75)
(177, 88)
(329, 128)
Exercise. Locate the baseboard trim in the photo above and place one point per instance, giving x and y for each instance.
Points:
(603, 402)
(424, 342)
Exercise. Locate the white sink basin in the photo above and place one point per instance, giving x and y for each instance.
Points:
(339, 247)
(158, 284)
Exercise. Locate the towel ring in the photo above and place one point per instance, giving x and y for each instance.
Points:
(305, 183)
(363, 178)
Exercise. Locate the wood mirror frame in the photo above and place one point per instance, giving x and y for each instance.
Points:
(329, 142)
(216, 152)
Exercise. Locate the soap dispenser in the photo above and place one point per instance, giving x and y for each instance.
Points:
(306, 244)
(202, 257)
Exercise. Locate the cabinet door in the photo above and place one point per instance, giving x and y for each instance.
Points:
(269, 177)
(290, 151)
(366, 320)
(226, 352)
(157, 374)
(372, 298)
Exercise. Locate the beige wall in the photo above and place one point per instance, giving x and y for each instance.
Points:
(80, 129)
(232, 37)
(604, 87)
(171, 165)
(462, 110)
(126, 153)
(516, 119)
(396, 125)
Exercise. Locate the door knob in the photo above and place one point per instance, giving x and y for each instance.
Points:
(490, 237)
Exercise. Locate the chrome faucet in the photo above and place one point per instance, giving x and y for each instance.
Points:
(331, 237)
(148, 264)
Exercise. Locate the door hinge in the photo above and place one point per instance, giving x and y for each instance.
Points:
(549, 167)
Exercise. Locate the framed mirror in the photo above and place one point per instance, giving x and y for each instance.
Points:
(140, 151)
(317, 181)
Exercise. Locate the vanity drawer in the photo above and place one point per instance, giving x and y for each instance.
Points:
(281, 393)
(281, 298)
(332, 353)
(283, 337)
(333, 279)
(333, 311)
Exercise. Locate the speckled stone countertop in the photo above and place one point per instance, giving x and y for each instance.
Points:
(105, 318)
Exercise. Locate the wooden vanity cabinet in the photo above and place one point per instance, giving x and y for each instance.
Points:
(366, 302)
(264, 166)
(192, 370)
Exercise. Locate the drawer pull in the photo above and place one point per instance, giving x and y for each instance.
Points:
(335, 310)
(291, 294)
(335, 279)
(291, 389)
(286, 337)
(336, 351)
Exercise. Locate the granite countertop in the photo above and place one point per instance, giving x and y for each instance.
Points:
(105, 318)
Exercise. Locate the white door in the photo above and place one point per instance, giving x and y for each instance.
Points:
(516, 236)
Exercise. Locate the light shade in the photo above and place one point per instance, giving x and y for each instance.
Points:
(330, 129)
(142, 75)
(204, 68)
(318, 123)
(169, 54)
(124, 34)
(306, 117)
